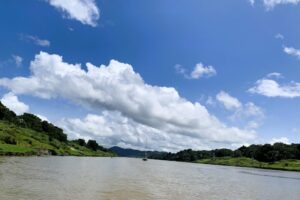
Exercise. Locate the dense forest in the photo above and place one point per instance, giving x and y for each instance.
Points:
(29, 131)
(263, 153)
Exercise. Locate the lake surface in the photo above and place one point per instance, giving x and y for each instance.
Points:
(75, 178)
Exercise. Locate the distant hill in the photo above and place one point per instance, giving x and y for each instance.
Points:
(122, 152)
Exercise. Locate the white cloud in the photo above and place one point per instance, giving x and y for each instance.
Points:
(251, 113)
(269, 4)
(118, 88)
(292, 51)
(85, 11)
(36, 40)
(248, 112)
(229, 102)
(280, 140)
(12, 102)
(199, 71)
(18, 60)
(210, 101)
(274, 75)
(279, 36)
(253, 125)
(112, 128)
(271, 88)
(180, 70)
(15, 60)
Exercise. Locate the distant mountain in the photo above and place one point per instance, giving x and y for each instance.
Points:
(122, 152)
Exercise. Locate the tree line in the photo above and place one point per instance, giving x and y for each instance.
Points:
(30, 121)
(262, 153)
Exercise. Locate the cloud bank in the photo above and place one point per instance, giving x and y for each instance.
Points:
(125, 105)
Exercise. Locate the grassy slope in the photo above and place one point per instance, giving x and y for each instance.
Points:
(291, 165)
(29, 142)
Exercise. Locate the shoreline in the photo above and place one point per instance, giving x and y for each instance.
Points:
(283, 165)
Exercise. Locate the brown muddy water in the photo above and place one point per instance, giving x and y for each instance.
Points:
(77, 178)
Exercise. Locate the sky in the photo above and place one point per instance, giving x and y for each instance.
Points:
(157, 75)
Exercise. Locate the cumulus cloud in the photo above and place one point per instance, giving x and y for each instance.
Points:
(229, 102)
(284, 140)
(85, 11)
(11, 101)
(199, 71)
(271, 88)
(112, 128)
(118, 88)
(292, 51)
(36, 40)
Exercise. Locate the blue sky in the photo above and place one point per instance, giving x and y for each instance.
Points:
(234, 62)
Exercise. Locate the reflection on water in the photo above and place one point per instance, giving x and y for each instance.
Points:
(72, 178)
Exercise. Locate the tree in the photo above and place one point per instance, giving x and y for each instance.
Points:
(54, 131)
(7, 115)
(223, 152)
(80, 142)
(33, 122)
(92, 144)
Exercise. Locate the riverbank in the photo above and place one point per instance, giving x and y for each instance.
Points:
(287, 165)
(15, 150)
(18, 141)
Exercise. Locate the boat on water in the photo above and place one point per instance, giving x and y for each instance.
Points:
(145, 158)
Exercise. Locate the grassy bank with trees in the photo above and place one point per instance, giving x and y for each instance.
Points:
(278, 156)
(27, 135)
(289, 165)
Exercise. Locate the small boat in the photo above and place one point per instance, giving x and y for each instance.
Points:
(145, 158)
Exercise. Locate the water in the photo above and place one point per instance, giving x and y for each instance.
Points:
(72, 178)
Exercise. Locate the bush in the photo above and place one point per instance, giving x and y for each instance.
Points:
(9, 140)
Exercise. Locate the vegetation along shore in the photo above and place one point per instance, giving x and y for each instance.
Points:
(27, 135)
(278, 156)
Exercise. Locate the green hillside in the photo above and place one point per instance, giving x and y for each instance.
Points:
(28, 135)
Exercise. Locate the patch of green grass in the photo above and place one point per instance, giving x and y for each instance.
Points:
(291, 165)
(15, 150)
(15, 140)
